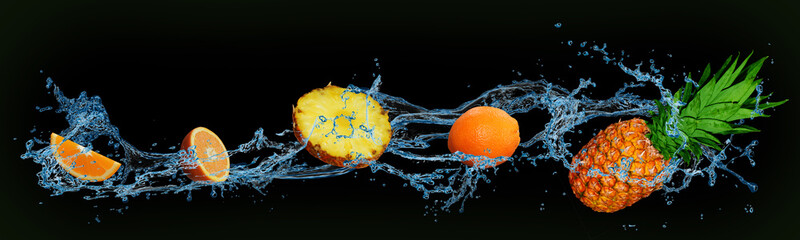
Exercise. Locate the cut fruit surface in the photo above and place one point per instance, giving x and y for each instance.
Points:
(343, 127)
(211, 162)
(82, 164)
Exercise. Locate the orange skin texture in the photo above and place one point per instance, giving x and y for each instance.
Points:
(609, 190)
(192, 170)
(484, 131)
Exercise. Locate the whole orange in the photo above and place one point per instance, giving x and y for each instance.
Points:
(484, 131)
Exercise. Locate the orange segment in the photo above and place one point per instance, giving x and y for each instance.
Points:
(212, 162)
(86, 166)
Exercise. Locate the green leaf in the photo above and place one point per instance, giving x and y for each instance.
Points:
(711, 104)
(722, 69)
(738, 93)
(771, 104)
(687, 158)
(714, 126)
(691, 109)
(688, 125)
(751, 102)
(706, 73)
(706, 138)
(705, 135)
(706, 93)
(753, 68)
(750, 90)
(743, 113)
(741, 129)
(719, 111)
(694, 146)
(730, 77)
(710, 143)
(687, 92)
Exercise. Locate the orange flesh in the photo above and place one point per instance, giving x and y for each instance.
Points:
(83, 165)
(212, 159)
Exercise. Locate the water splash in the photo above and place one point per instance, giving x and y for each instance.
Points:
(414, 128)
(630, 227)
(711, 160)
(748, 209)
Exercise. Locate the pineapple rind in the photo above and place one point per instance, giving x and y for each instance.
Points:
(709, 109)
(617, 168)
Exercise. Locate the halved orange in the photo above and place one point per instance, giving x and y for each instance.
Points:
(212, 162)
(83, 165)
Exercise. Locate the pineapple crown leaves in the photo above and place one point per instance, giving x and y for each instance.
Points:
(710, 109)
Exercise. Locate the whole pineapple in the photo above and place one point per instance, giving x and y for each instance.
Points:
(626, 162)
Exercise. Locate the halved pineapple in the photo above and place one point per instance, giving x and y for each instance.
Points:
(343, 127)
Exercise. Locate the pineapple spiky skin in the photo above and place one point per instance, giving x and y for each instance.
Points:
(617, 168)
(355, 130)
(625, 162)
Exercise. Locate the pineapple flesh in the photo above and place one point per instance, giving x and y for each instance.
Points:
(343, 127)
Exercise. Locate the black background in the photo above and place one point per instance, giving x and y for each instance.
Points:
(165, 68)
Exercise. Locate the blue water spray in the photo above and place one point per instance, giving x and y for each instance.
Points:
(152, 173)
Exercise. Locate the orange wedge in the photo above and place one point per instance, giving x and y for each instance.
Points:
(83, 165)
(212, 162)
